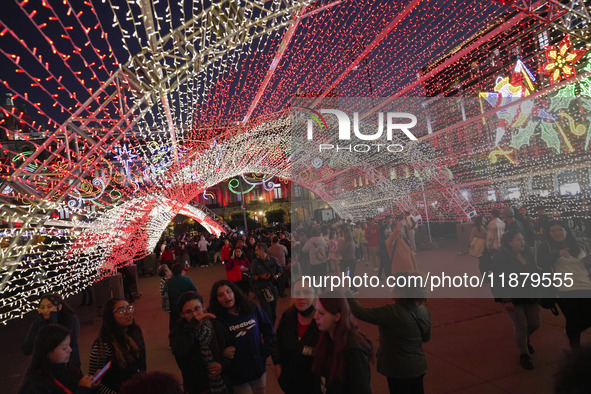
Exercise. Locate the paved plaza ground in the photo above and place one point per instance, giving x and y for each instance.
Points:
(471, 350)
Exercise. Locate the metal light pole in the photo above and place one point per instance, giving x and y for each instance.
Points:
(243, 206)
(426, 210)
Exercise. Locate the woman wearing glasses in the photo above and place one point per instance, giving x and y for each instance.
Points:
(198, 344)
(120, 341)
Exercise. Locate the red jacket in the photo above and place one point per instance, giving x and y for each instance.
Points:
(371, 234)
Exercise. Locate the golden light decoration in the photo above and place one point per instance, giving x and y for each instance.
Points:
(560, 60)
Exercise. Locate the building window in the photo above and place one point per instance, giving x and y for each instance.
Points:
(543, 39)
(513, 193)
(568, 183)
(277, 192)
(256, 193)
(297, 191)
(570, 189)
(491, 195)
(539, 187)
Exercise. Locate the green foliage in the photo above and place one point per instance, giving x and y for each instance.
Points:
(237, 220)
(275, 216)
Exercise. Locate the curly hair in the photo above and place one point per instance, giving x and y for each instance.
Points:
(188, 296)
(243, 304)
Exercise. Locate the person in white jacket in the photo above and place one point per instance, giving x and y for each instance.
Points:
(203, 254)
(494, 232)
(317, 248)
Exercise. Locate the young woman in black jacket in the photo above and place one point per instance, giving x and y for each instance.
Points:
(343, 354)
(520, 302)
(293, 350)
(50, 371)
(54, 310)
(198, 344)
(560, 254)
(120, 341)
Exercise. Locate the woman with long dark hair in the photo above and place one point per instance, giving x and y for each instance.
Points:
(519, 302)
(50, 370)
(249, 249)
(251, 334)
(404, 326)
(120, 341)
(53, 309)
(198, 345)
(235, 267)
(561, 254)
(342, 355)
(297, 336)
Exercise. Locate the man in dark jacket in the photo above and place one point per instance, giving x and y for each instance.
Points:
(266, 270)
(176, 286)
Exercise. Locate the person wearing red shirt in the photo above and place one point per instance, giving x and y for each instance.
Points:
(226, 251)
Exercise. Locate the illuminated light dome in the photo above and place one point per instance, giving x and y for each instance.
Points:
(134, 108)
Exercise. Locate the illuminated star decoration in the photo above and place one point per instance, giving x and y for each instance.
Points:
(560, 61)
(125, 156)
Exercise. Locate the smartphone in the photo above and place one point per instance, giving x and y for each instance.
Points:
(100, 373)
(348, 272)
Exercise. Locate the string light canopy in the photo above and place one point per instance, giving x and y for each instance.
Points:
(119, 114)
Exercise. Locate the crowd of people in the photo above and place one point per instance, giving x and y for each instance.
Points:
(315, 345)
(512, 242)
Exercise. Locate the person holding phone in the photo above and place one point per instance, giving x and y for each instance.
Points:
(121, 342)
(50, 370)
